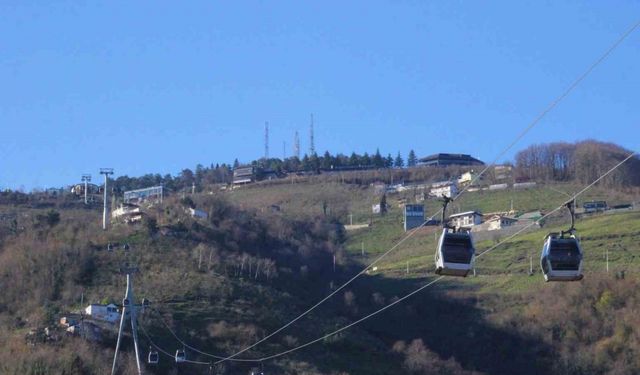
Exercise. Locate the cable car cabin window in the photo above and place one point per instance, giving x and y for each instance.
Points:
(457, 249)
(565, 256)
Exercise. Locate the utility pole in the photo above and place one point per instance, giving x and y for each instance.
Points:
(86, 178)
(530, 264)
(607, 258)
(105, 218)
(128, 313)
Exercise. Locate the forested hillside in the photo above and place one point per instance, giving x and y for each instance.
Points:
(267, 252)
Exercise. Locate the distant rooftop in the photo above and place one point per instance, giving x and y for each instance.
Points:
(442, 159)
(466, 214)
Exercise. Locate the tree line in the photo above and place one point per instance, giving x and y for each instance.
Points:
(581, 162)
(223, 173)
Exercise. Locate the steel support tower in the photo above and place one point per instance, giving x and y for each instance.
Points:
(86, 178)
(105, 218)
(129, 313)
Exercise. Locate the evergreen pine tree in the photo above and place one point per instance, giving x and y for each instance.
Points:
(383, 204)
(388, 161)
(412, 160)
(398, 163)
(378, 161)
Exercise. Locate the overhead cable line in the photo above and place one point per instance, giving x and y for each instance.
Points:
(530, 126)
(324, 337)
(439, 278)
(153, 344)
(173, 333)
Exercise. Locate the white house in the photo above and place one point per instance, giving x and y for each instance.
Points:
(446, 188)
(499, 222)
(108, 313)
(467, 178)
(466, 219)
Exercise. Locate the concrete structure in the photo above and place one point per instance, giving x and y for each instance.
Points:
(524, 185)
(498, 187)
(465, 219)
(413, 216)
(108, 313)
(443, 160)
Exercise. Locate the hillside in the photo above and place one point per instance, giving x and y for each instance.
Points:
(200, 276)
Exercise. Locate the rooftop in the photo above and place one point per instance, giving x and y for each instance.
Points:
(466, 213)
(450, 159)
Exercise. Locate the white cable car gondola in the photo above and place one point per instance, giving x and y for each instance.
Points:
(455, 254)
(181, 356)
(561, 258)
(153, 357)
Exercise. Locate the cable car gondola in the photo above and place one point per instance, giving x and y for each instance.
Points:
(180, 356)
(153, 358)
(455, 253)
(561, 258)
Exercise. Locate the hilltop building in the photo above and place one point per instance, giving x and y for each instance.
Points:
(243, 175)
(444, 160)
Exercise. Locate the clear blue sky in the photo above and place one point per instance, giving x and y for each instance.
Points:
(154, 86)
